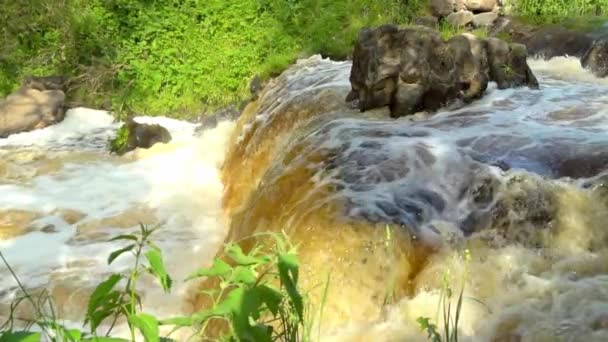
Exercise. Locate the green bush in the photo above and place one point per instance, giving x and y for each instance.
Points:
(176, 57)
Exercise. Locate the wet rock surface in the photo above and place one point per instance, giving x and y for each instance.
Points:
(413, 69)
(596, 58)
(141, 135)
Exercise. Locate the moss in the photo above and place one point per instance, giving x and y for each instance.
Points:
(119, 143)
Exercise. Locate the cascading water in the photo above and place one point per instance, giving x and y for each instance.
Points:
(515, 178)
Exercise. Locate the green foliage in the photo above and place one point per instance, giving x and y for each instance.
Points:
(105, 303)
(176, 57)
(581, 15)
(560, 8)
(119, 142)
(258, 296)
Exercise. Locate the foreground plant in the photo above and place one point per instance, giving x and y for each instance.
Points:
(450, 312)
(258, 295)
(106, 302)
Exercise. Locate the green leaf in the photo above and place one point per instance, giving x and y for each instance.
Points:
(236, 253)
(271, 297)
(118, 252)
(157, 268)
(147, 325)
(219, 268)
(288, 274)
(101, 300)
(242, 274)
(104, 339)
(124, 237)
(20, 336)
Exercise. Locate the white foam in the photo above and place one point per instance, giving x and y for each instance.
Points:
(179, 182)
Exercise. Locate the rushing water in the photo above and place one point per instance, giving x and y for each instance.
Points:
(516, 178)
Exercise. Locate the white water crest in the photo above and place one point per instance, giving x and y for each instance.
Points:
(73, 196)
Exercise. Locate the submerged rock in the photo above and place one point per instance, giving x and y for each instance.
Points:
(555, 41)
(134, 135)
(414, 69)
(39, 103)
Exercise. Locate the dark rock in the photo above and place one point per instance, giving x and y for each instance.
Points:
(554, 41)
(413, 69)
(508, 65)
(140, 135)
(228, 113)
(441, 8)
(459, 19)
(255, 86)
(39, 103)
(596, 58)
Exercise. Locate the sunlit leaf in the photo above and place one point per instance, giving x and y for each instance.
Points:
(157, 268)
(219, 268)
(20, 336)
(236, 253)
(243, 275)
(147, 325)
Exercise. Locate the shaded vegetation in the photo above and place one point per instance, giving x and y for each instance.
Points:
(176, 57)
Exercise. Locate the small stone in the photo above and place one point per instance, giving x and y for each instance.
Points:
(442, 8)
(462, 18)
(481, 5)
(484, 19)
(49, 228)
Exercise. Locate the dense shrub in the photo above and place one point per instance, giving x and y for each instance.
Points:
(176, 57)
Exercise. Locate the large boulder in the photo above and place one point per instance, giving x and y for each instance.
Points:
(134, 135)
(40, 102)
(414, 69)
(596, 58)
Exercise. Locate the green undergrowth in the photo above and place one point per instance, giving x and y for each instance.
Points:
(581, 15)
(258, 297)
(176, 57)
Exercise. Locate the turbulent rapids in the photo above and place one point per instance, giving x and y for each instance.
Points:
(517, 178)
